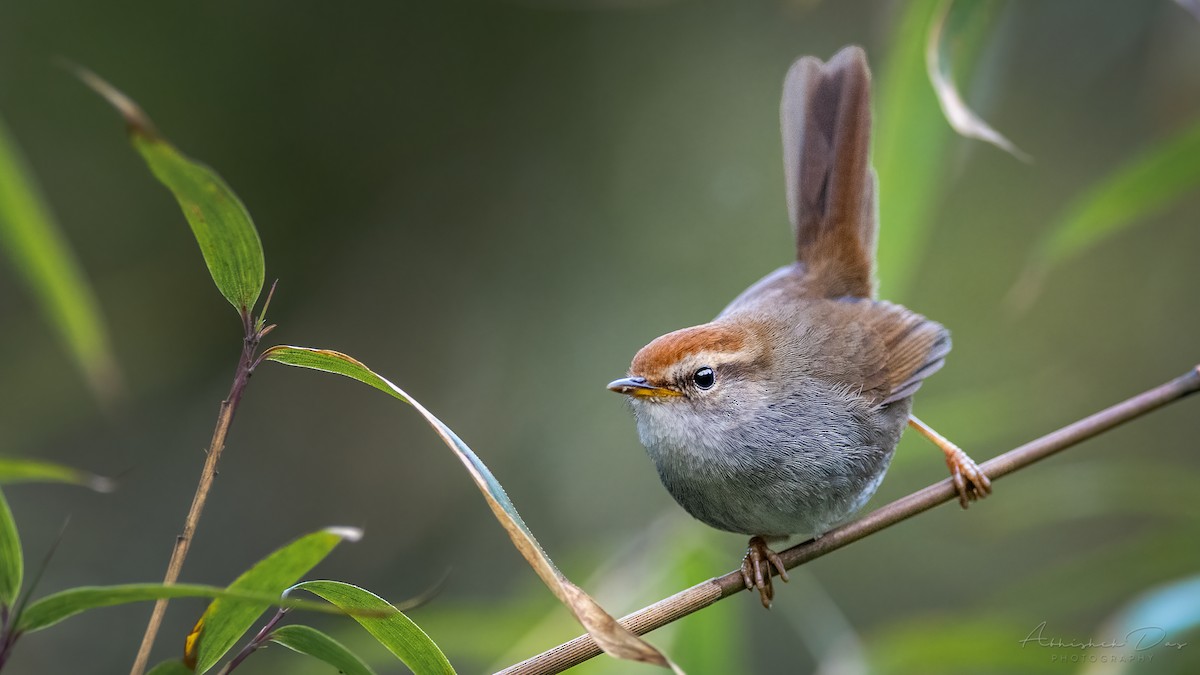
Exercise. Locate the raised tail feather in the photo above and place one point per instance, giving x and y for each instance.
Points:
(826, 123)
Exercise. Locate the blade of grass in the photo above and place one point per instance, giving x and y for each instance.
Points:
(223, 623)
(393, 630)
(43, 258)
(12, 561)
(314, 643)
(16, 470)
(66, 604)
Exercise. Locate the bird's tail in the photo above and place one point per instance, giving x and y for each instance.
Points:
(826, 122)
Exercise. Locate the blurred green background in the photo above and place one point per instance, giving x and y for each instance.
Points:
(495, 204)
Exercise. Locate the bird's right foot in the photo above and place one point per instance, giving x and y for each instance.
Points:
(756, 569)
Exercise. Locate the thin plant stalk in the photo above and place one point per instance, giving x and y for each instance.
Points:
(702, 595)
(254, 332)
(254, 645)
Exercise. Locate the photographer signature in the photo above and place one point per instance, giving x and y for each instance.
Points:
(1139, 639)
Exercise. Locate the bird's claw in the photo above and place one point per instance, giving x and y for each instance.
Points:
(969, 480)
(756, 569)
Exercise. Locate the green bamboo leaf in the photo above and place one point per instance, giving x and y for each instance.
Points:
(911, 137)
(172, 667)
(43, 258)
(16, 470)
(12, 563)
(224, 622)
(219, 221)
(318, 645)
(65, 604)
(394, 630)
(1128, 196)
(610, 635)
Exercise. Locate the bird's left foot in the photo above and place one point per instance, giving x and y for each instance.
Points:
(969, 480)
(756, 569)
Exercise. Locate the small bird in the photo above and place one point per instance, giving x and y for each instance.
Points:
(780, 416)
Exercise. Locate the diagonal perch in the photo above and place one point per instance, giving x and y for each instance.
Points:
(706, 593)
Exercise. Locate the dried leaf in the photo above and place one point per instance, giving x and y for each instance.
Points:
(958, 114)
(610, 635)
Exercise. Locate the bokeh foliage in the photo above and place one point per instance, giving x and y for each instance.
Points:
(496, 202)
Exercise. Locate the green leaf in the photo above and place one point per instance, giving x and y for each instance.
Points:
(911, 140)
(1128, 196)
(318, 645)
(65, 604)
(15, 470)
(395, 631)
(172, 667)
(610, 635)
(224, 622)
(12, 563)
(221, 224)
(43, 258)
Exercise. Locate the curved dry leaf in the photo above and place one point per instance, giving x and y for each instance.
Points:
(958, 114)
(608, 633)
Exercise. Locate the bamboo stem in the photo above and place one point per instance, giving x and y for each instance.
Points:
(183, 542)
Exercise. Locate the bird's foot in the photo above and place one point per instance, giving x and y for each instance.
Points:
(756, 569)
(970, 482)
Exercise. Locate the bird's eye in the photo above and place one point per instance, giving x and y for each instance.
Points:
(704, 378)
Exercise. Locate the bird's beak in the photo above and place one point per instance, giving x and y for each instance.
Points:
(638, 386)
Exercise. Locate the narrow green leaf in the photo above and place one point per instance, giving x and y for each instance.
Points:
(172, 667)
(219, 221)
(223, 623)
(15, 470)
(65, 604)
(610, 635)
(43, 258)
(318, 645)
(395, 631)
(911, 140)
(12, 563)
(1128, 196)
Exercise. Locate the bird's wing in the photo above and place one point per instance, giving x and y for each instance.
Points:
(878, 349)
